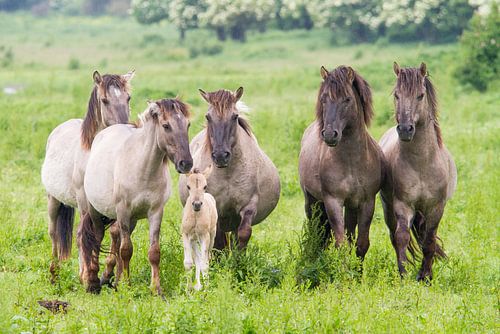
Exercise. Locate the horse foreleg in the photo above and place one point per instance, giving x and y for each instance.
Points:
(403, 214)
(429, 242)
(333, 208)
(154, 249)
(247, 215)
(351, 220)
(111, 259)
(188, 259)
(53, 209)
(365, 216)
(126, 247)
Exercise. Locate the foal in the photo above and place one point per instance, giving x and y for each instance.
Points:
(421, 174)
(199, 224)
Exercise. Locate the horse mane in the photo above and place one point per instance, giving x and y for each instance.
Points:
(223, 102)
(409, 81)
(336, 85)
(93, 119)
(174, 105)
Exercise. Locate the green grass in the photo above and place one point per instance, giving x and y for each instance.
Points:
(255, 292)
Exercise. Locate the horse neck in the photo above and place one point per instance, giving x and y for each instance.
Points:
(424, 144)
(356, 136)
(151, 158)
(241, 147)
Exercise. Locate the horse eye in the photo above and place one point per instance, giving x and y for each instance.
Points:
(166, 126)
(347, 100)
(128, 98)
(235, 117)
(396, 96)
(105, 101)
(189, 125)
(189, 188)
(205, 188)
(207, 116)
(420, 97)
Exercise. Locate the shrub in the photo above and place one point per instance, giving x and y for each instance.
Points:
(73, 64)
(480, 63)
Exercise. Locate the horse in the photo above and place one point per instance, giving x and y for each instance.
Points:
(128, 179)
(199, 225)
(66, 157)
(245, 182)
(341, 167)
(422, 175)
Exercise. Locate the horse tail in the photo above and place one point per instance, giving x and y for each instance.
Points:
(418, 232)
(64, 230)
(87, 239)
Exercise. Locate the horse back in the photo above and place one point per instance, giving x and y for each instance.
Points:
(57, 170)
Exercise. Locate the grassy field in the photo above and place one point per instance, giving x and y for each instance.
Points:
(51, 61)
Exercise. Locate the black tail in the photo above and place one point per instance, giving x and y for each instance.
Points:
(87, 239)
(64, 230)
(418, 232)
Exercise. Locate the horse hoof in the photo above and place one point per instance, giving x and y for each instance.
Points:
(94, 288)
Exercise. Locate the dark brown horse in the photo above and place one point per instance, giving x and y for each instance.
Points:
(340, 164)
(421, 174)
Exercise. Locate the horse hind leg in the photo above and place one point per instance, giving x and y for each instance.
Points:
(53, 210)
(429, 243)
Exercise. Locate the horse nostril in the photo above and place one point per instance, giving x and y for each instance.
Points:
(213, 155)
(226, 154)
(335, 134)
(411, 128)
(323, 133)
(398, 128)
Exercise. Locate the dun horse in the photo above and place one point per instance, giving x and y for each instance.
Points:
(421, 173)
(245, 182)
(128, 179)
(340, 164)
(199, 225)
(67, 151)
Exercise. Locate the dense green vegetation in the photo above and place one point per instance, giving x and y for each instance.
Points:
(50, 61)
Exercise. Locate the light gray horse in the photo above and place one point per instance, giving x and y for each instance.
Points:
(128, 179)
(67, 151)
(245, 182)
(421, 173)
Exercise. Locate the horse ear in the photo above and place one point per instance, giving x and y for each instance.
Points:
(324, 72)
(396, 68)
(423, 69)
(350, 74)
(206, 173)
(129, 75)
(154, 109)
(203, 94)
(238, 93)
(97, 78)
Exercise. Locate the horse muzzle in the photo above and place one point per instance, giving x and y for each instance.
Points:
(221, 159)
(405, 132)
(197, 205)
(330, 137)
(184, 166)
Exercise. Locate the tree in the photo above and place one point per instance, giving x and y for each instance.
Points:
(480, 61)
(236, 17)
(182, 13)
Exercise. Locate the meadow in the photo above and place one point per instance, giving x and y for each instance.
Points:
(273, 287)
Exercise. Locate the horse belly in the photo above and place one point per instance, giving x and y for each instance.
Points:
(57, 169)
(100, 172)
